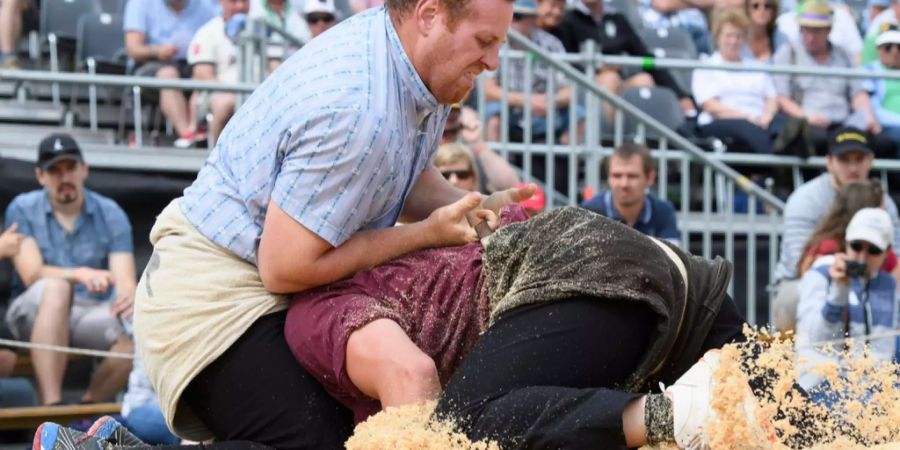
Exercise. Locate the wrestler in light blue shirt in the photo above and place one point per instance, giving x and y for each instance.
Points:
(336, 137)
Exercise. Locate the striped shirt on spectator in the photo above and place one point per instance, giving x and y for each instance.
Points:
(515, 67)
(336, 137)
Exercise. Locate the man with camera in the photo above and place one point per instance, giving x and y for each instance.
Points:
(847, 295)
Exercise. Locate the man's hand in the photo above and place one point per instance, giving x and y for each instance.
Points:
(818, 120)
(449, 225)
(872, 125)
(539, 105)
(838, 270)
(498, 200)
(10, 242)
(96, 281)
(123, 306)
(166, 52)
(471, 127)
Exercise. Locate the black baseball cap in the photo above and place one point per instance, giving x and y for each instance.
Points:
(848, 139)
(57, 147)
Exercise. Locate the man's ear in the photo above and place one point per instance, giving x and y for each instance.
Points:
(426, 15)
(39, 175)
(651, 178)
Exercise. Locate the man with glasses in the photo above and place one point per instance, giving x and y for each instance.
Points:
(320, 15)
(885, 93)
(849, 159)
(848, 295)
(464, 127)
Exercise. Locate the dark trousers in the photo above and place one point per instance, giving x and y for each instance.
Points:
(745, 135)
(544, 375)
(256, 391)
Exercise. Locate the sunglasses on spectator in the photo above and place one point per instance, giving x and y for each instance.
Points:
(762, 5)
(889, 47)
(857, 246)
(460, 174)
(316, 18)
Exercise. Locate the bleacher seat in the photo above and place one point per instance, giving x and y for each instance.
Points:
(112, 6)
(627, 8)
(682, 76)
(102, 38)
(669, 39)
(659, 102)
(60, 17)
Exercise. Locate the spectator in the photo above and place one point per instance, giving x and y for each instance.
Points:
(213, 56)
(874, 8)
(457, 164)
(615, 36)
(847, 295)
(464, 127)
(10, 241)
(284, 14)
(764, 37)
(819, 104)
(828, 238)
(879, 24)
(843, 34)
(849, 160)
(75, 278)
(14, 14)
(631, 175)
(141, 411)
(157, 36)
(525, 22)
(684, 14)
(884, 92)
(739, 107)
(320, 15)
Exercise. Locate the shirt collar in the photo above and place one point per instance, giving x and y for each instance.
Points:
(643, 218)
(423, 99)
(89, 207)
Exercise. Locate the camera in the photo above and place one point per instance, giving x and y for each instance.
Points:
(855, 269)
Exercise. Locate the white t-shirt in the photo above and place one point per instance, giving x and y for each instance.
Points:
(744, 91)
(844, 32)
(212, 46)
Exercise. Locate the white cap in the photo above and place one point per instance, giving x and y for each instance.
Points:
(319, 6)
(888, 37)
(872, 225)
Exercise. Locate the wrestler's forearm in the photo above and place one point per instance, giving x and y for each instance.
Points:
(430, 192)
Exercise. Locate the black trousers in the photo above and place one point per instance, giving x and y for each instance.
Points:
(744, 134)
(256, 391)
(544, 376)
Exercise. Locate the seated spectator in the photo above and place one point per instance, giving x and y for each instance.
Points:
(844, 32)
(764, 37)
(213, 56)
(614, 35)
(157, 36)
(874, 8)
(525, 22)
(75, 278)
(141, 411)
(828, 238)
(879, 24)
(631, 175)
(849, 160)
(10, 241)
(847, 295)
(818, 104)
(684, 14)
(457, 164)
(14, 15)
(738, 107)
(464, 127)
(885, 93)
(320, 15)
(283, 14)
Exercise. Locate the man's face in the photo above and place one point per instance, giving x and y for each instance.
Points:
(525, 24)
(63, 180)
(452, 127)
(232, 7)
(889, 55)
(627, 180)
(815, 39)
(865, 251)
(550, 13)
(451, 58)
(459, 174)
(319, 22)
(849, 167)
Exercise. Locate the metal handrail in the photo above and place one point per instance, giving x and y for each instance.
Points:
(122, 81)
(588, 84)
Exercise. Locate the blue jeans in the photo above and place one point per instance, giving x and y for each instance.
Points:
(147, 423)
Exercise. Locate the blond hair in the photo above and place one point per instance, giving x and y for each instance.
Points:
(736, 18)
(455, 152)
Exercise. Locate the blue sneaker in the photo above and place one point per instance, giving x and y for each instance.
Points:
(52, 436)
(110, 430)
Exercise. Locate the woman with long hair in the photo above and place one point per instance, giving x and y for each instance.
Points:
(763, 37)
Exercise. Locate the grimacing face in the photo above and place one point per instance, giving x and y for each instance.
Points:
(454, 56)
(64, 181)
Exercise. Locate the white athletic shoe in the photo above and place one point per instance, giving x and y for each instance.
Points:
(691, 396)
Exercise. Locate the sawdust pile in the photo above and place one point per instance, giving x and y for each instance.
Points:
(411, 428)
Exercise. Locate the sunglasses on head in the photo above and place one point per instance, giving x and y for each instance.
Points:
(316, 18)
(889, 47)
(762, 5)
(857, 246)
(460, 174)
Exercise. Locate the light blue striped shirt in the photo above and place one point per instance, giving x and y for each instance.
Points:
(336, 137)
